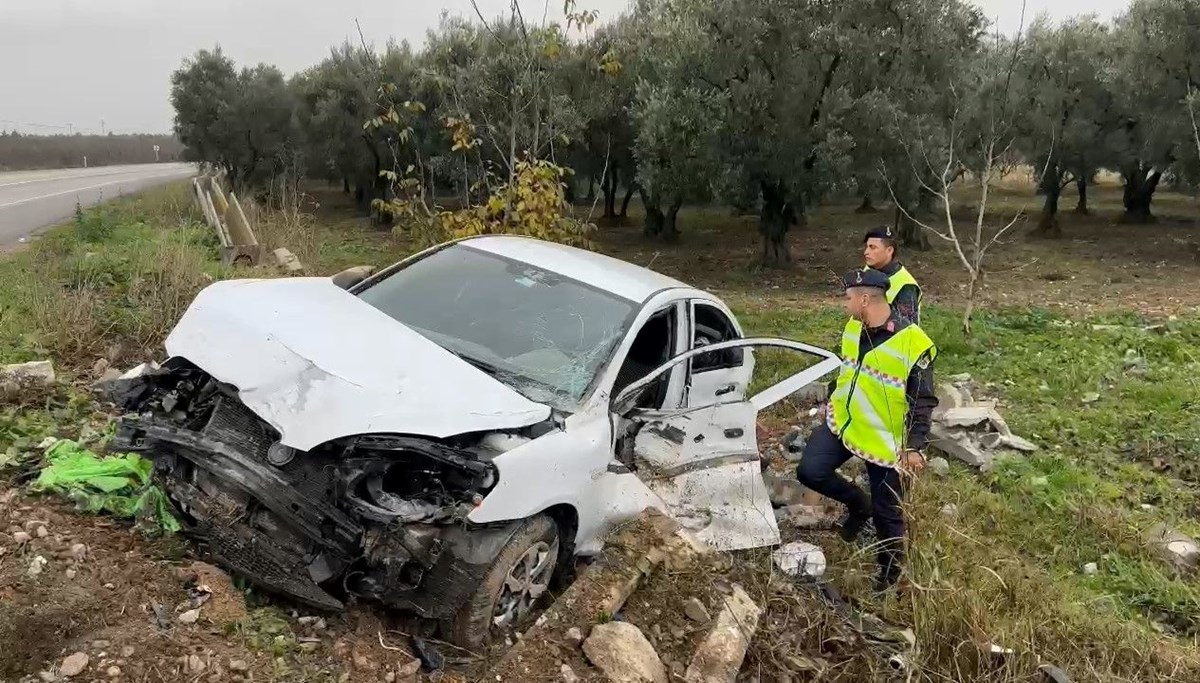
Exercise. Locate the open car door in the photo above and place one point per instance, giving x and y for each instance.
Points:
(703, 461)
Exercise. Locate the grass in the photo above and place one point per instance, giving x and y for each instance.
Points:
(1006, 568)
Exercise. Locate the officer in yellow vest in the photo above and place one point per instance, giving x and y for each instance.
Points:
(879, 411)
(904, 294)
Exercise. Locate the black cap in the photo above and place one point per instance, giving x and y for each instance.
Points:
(868, 277)
(884, 233)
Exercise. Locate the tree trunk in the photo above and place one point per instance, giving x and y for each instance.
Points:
(866, 206)
(610, 193)
(569, 192)
(629, 190)
(1081, 207)
(911, 234)
(670, 229)
(969, 309)
(774, 221)
(591, 195)
(1051, 188)
(1140, 183)
(345, 186)
(653, 225)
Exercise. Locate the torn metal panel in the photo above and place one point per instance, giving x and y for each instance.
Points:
(319, 364)
(704, 465)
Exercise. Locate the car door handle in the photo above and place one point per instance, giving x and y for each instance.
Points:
(727, 389)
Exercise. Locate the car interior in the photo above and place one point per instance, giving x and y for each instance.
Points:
(651, 348)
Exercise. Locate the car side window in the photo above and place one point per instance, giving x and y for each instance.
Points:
(710, 326)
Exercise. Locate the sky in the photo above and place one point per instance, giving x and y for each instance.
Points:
(93, 65)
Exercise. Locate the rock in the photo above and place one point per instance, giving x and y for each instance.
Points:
(798, 558)
(40, 372)
(408, 668)
(79, 552)
(574, 636)
(962, 378)
(73, 665)
(991, 440)
(188, 617)
(793, 444)
(128, 650)
(42, 531)
(696, 611)
(21, 537)
(70, 573)
(1039, 482)
(784, 491)
(622, 653)
(100, 644)
(1017, 443)
(957, 446)
(113, 672)
(1091, 569)
(940, 467)
(285, 259)
(1180, 550)
(719, 657)
(1090, 398)
(100, 367)
(195, 664)
(802, 516)
(568, 674)
(37, 565)
(48, 676)
(238, 665)
(309, 646)
(950, 511)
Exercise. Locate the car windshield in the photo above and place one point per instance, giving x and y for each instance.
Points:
(542, 334)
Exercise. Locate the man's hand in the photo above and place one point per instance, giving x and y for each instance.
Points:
(912, 462)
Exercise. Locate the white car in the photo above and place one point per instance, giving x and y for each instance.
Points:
(446, 435)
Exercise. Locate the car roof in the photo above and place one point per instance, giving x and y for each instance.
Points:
(624, 279)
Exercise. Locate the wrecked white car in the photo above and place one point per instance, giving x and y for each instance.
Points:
(447, 435)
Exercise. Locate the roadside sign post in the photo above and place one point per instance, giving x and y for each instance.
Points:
(156, 154)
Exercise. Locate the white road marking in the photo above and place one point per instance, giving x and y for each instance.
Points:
(85, 189)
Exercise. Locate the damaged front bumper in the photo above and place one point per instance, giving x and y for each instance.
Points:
(316, 527)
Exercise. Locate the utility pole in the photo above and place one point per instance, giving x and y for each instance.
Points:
(70, 129)
(102, 126)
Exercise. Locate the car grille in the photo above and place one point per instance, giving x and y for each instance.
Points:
(234, 424)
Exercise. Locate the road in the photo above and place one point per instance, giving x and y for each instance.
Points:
(31, 201)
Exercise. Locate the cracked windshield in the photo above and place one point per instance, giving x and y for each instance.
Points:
(540, 333)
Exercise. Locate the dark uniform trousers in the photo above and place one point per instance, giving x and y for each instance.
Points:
(823, 455)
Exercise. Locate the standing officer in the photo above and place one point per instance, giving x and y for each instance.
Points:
(879, 411)
(904, 294)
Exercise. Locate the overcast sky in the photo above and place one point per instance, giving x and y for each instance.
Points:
(80, 62)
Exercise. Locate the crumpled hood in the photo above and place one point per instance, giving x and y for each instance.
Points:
(318, 363)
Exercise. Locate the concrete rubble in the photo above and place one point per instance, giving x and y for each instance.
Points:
(35, 372)
(1178, 549)
(971, 430)
(622, 653)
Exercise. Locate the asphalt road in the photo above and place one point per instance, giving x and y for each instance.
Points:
(31, 201)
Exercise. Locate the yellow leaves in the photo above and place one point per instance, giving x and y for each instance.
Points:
(610, 64)
(552, 49)
(462, 133)
(414, 107)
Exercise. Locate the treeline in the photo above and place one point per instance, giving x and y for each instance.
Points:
(769, 107)
(22, 152)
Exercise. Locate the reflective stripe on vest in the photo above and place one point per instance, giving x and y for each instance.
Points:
(868, 410)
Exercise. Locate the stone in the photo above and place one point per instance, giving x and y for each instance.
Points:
(784, 491)
(79, 552)
(695, 610)
(100, 367)
(100, 644)
(957, 446)
(48, 676)
(37, 565)
(940, 467)
(991, 440)
(309, 646)
(797, 558)
(42, 531)
(961, 378)
(568, 674)
(1090, 398)
(950, 511)
(189, 617)
(41, 372)
(1091, 569)
(238, 665)
(1017, 443)
(128, 651)
(966, 416)
(113, 672)
(285, 259)
(70, 573)
(719, 656)
(73, 665)
(622, 653)
(1179, 549)
(574, 636)
(801, 516)
(195, 664)
(21, 537)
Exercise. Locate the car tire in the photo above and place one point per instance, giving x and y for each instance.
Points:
(536, 546)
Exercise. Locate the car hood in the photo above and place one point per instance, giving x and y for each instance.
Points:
(318, 363)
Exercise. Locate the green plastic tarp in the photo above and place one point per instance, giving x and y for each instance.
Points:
(117, 484)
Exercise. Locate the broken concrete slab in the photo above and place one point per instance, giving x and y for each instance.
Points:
(784, 491)
(1179, 549)
(719, 656)
(799, 558)
(621, 651)
(285, 259)
(949, 397)
(957, 445)
(1017, 443)
(38, 371)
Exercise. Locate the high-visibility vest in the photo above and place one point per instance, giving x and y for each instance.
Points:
(868, 410)
(898, 281)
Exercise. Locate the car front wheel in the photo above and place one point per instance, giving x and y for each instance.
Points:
(512, 586)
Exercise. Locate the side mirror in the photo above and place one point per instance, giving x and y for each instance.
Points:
(352, 276)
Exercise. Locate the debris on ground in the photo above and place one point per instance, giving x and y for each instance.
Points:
(971, 430)
(285, 259)
(800, 558)
(1178, 549)
(39, 371)
(118, 485)
(719, 657)
(73, 665)
(620, 650)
